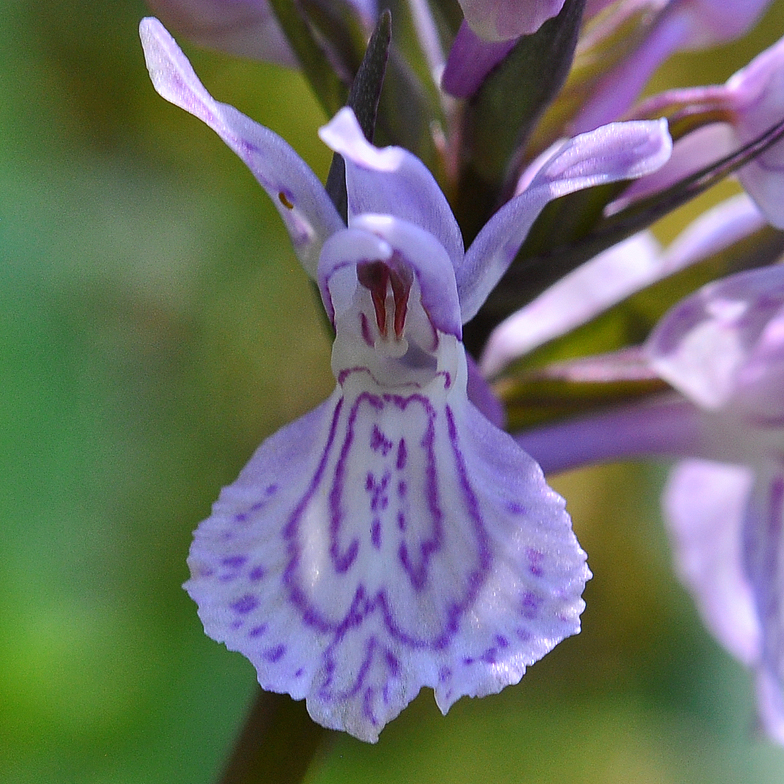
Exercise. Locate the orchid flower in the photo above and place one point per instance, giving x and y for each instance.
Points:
(749, 103)
(392, 538)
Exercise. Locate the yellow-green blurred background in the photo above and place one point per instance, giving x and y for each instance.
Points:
(154, 328)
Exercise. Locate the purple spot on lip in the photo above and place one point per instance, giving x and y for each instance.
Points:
(256, 573)
(444, 674)
(535, 559)
(245, 604)
(379, 442)
(299, 673)
(514, 508)
(275, 654)
(235, 561)
(530, 605)
(257, 631)
(375, 533)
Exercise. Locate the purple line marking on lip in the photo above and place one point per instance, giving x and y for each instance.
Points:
(329, 484)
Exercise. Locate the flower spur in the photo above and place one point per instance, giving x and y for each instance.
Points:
(394, 537)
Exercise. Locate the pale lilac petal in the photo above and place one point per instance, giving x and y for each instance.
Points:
(667, 427)
(712, 22)
(575, 299)
(615, 274)
(391, 181)
(690, 153)
(618, 89)
(500, 20)
(619, 151)
(299, 197)
(705, 504)
(763, 543)
(470, 60)
(725, 344)
(713, 231)
(758, 93)
(393, 538)
(243, 27)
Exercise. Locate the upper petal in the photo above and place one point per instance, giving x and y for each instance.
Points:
(391, 181)
(296, 192)
(500, 20)
(619, 151)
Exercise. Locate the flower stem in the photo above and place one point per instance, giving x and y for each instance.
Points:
(277, 743)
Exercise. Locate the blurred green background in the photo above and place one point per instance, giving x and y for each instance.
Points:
(154, 328)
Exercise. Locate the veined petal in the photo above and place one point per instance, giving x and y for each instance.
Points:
(391, 181)
(704, 504)
(299, 197)
(500, 20)
(725, 344)
(619, 151)
(383, 543)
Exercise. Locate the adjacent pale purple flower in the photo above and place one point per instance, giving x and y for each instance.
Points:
(393, 538)
(723, 349)
(243, 27)
(681, 25)
(750, 103)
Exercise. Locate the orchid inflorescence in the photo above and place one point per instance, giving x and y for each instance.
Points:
(397, 537)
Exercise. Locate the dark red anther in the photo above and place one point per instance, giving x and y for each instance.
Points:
(401, 279)
(374, 276)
